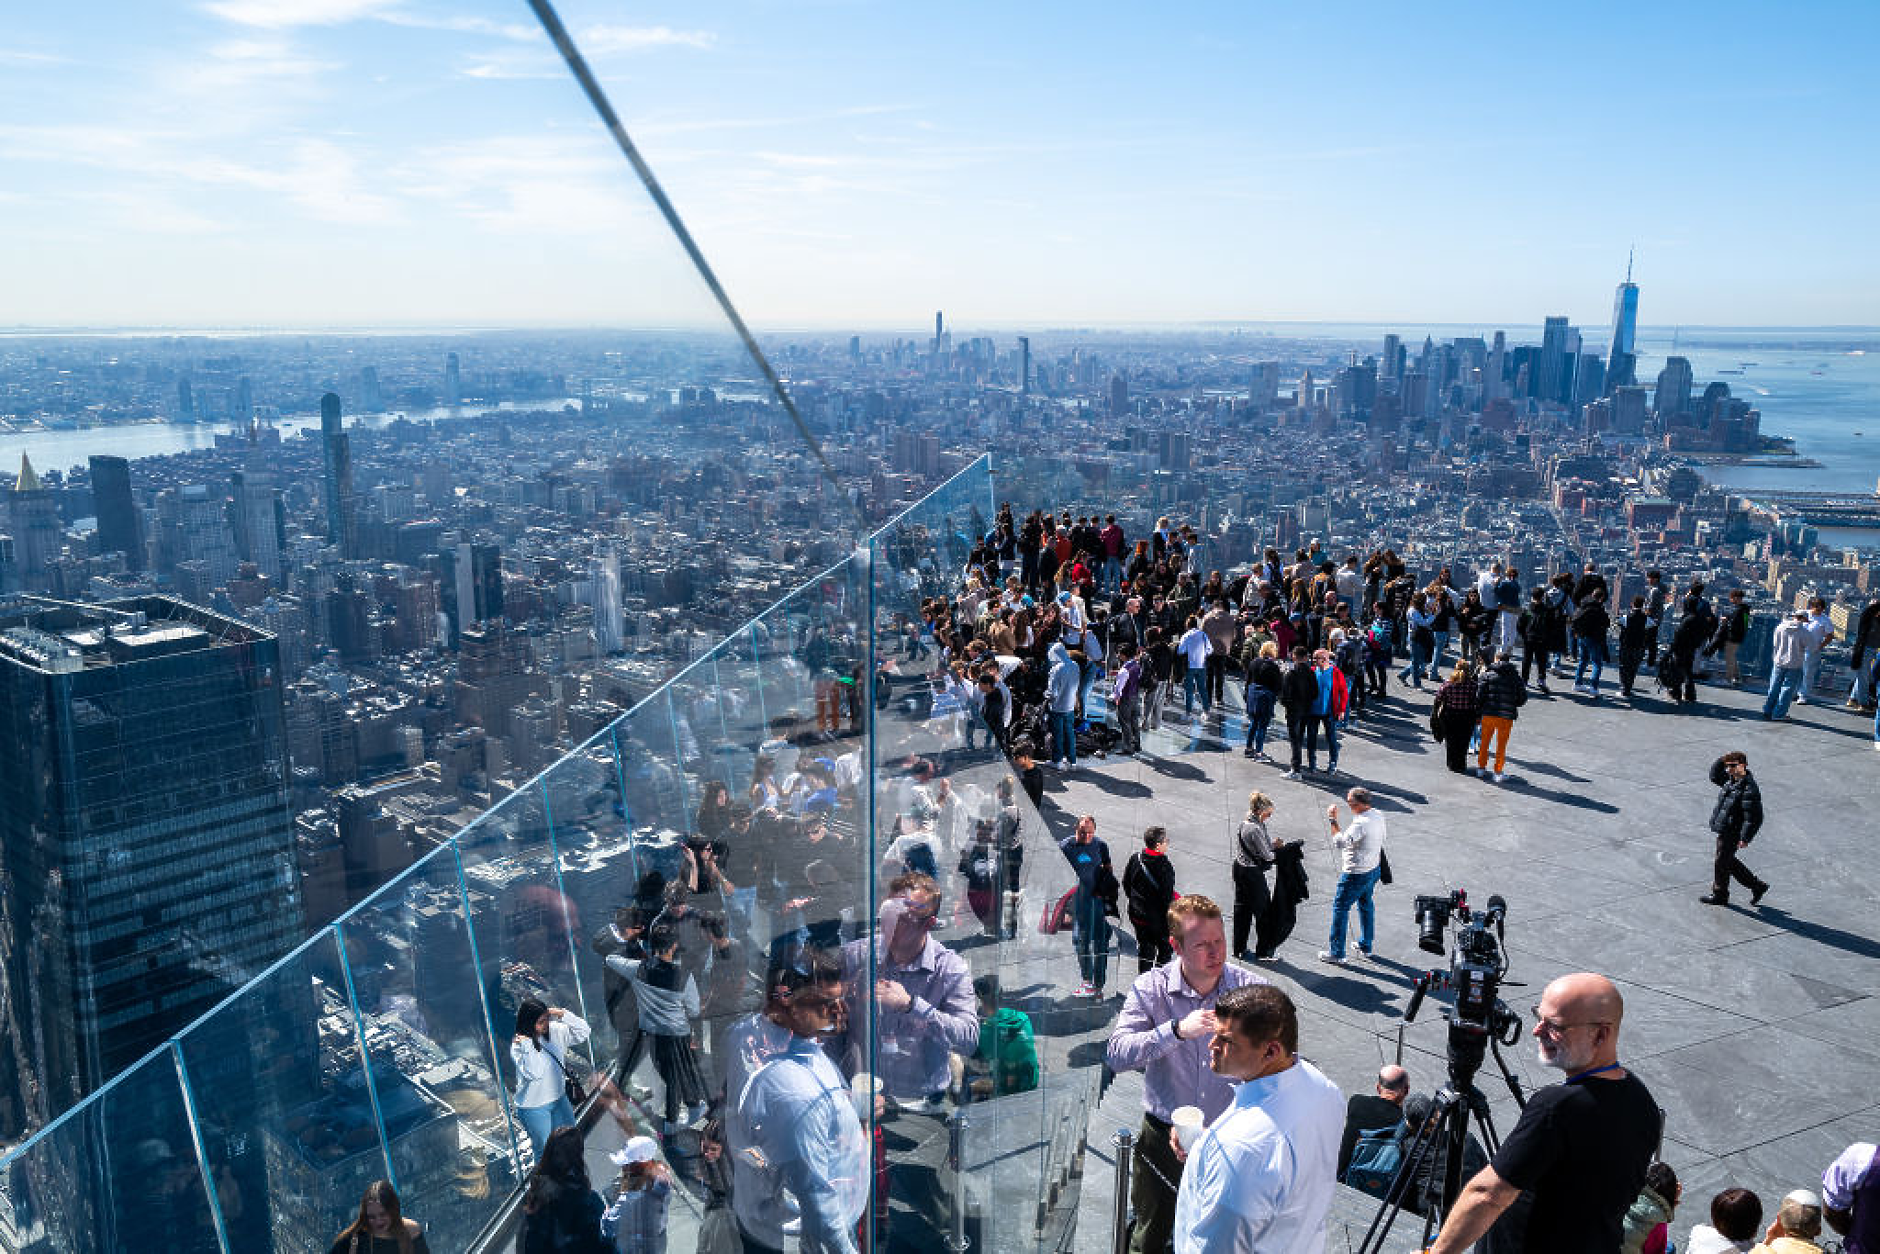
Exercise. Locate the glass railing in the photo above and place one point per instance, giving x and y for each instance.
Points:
(762, 809)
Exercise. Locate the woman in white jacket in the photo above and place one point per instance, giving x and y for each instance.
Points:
(543, 1037)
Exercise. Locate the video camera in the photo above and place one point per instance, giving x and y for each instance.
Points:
(1476, 967)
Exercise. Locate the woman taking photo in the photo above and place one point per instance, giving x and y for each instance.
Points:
(540, 1053)
(381, 1228)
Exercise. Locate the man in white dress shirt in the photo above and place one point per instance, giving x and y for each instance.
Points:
(1260, 1179)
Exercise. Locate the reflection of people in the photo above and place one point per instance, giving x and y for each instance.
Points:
(381, 1228)
(925, 1013)
(1163, 1032)
(1581, 1146)
(668, 1000)
(1261, 1176)
(799, 1159)
(540, 1053)
(635, 1221)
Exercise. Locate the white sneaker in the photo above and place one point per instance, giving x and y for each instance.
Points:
(1085, 989)
(1057, 764)
(1326, 955)
(1497, 777)
(1295, 774)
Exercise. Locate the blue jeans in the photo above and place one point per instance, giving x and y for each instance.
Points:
(1419, 664)
(1112, 572)
(539, 1121)
(1354, 888)
(1863, 680)
(1259, 716)
(1195, 684)
(1064, 737)
(1811, 675)
(1090, 933)
(1442, 644)
(1331, 738)
(1784, 683)
(1593, 651)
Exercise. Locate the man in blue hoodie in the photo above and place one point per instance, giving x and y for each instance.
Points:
(1060, 698)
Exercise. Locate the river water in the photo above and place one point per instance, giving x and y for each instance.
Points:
(60, 450)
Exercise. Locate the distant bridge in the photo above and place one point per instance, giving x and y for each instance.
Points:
(1818, 509)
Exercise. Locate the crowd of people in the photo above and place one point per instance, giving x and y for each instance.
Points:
(809, 1055)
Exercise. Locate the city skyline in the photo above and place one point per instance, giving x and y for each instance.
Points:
(353, 162)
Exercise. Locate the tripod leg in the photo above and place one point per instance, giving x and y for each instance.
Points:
(1419, 1148)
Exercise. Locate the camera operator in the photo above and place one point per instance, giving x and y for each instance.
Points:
(1581, 1146)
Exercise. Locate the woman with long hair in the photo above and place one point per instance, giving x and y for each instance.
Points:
(381, 1227)
(544, 1035)
(561, 1212)
(714, 812)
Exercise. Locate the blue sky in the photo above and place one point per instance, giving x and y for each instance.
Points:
(381, 162)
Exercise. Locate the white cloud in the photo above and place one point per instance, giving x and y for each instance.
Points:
(280, 14)
(600, 41)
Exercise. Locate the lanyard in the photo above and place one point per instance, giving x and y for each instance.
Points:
(1575, 1079)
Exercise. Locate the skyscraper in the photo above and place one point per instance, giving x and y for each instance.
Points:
(1551, 385)
(470, 583)
(258, 520)
(1390, 366)
(1119, 396)
(1621, 361)
(111, 502)
(453, 381)
(1673, 396)
(340, 528)
(38, 536)
(609, 619)
(1495, 371)
(144, 831)
(1024, 365)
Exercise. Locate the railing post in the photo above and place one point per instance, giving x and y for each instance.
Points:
(1125, 1142)
(956, 1152)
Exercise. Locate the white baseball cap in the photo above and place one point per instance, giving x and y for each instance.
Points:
(639, 1149)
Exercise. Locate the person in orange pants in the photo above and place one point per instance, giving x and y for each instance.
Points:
(1502, 693)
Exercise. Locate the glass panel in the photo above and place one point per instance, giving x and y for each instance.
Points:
(598, 873)
(286, 1116)
(519, 919)
(415, 982)
(113, 1171)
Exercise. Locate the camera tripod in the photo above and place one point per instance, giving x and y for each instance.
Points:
(1446, 1129)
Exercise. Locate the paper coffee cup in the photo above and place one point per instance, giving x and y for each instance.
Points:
(865, 1088)
(1188, 1122)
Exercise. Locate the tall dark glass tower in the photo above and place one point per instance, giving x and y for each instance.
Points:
(338, 484)
(118, 530)
(146, 842)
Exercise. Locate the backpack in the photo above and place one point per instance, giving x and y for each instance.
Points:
(1010, 1050)
(1376, 1159)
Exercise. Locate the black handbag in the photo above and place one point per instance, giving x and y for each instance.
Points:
(570, 1083)
(1383, 867)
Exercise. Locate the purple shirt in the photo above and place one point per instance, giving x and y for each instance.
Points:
(1174, 1072)
(1848, 1182)
(912, 1045)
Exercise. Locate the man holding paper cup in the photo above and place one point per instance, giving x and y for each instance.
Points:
(1260, 1178)
(1163, 1032)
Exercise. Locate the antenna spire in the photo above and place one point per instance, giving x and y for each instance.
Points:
(1628, 264)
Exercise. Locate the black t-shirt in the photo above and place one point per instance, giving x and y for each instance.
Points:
(1582, 1149)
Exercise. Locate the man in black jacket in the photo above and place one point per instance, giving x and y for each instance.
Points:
(1735, 819)
(1866, 636)
(1502, 694)
(1635, 638)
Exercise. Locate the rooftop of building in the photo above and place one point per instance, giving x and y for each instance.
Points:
(63, 636)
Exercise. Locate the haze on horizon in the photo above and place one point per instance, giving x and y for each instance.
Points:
(379, 164)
